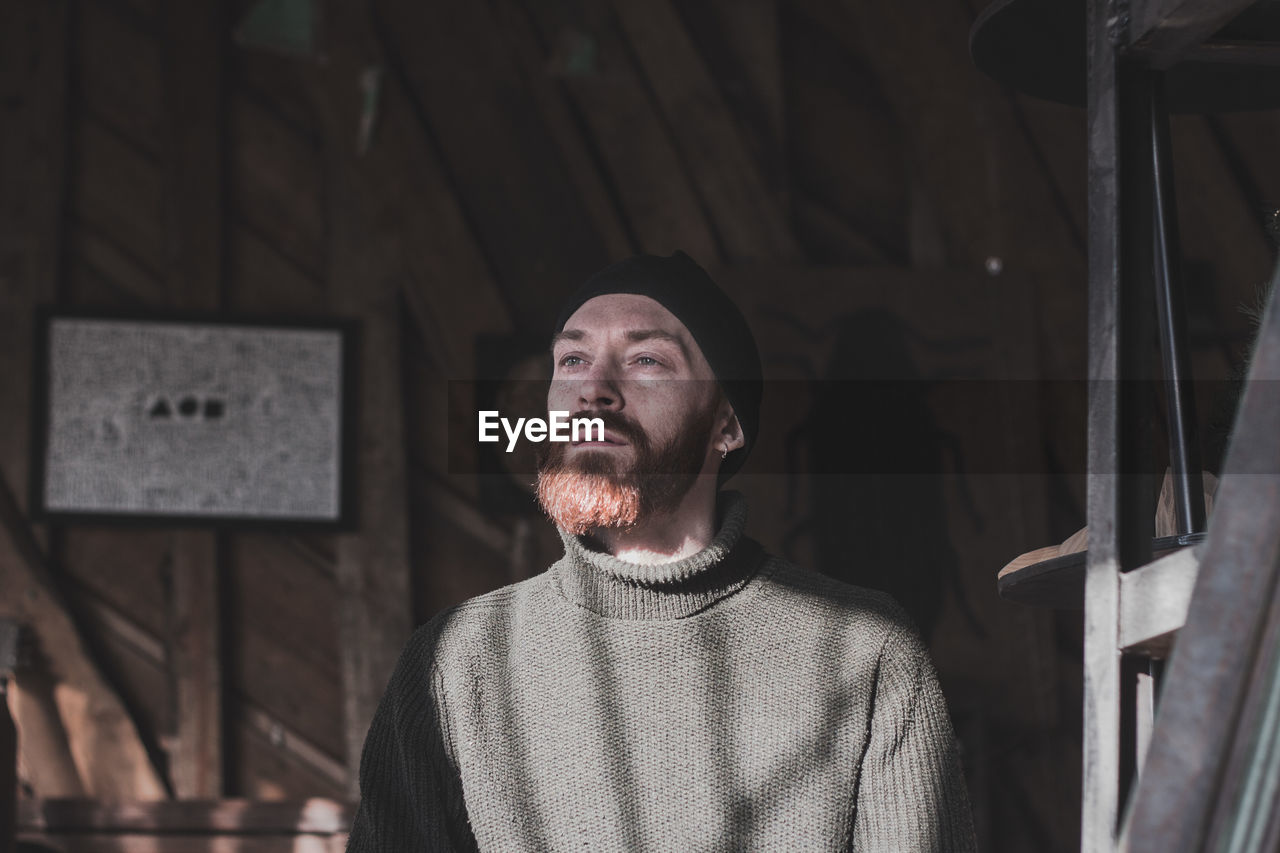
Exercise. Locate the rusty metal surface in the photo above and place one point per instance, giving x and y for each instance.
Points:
(1232, 613)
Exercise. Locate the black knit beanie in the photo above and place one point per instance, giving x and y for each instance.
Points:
(712, 318)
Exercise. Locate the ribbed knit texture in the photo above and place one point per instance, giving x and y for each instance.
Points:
(729, 701)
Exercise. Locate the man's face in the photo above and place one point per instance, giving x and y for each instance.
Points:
(627, 360)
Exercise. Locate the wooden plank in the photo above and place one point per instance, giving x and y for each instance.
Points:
(262, 661)
(739, 42)
(135, 659)
(295, 745)
(272, 577)
(195, 654)
(1055, 135)
(1121, 326)
(448, 288)
(373, 565)
(119, 191)
(629, 134)
(108, 754)
(44, 759)
(120, 75)
(516, 29)
(463, 514)
(272, 81)
(451, 291)
(850, 173)
(270, 770)
(460, 569)
(830, 239)
(965, 145)
(147, 843)
(366, 279)
(262, 280)
(123, 569)
(291, 686)
(747, 217)
(232, 816)
(1154, 601)
(1164, 29)
(34, 50)
(276, 181)
(194, 120)
(507, 171)
(104, 259)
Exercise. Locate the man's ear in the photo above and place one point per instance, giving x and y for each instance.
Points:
(728, 435)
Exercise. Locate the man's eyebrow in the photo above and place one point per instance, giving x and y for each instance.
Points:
(654, 334)
(633, 335)
(567, 335)
(637, 335)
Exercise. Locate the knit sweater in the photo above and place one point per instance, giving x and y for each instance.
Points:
(728, 701)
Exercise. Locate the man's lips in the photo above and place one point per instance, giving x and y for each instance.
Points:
(611, 439)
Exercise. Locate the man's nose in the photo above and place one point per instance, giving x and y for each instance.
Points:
(599, 390)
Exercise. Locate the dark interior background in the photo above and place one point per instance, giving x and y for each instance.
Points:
(878, 208)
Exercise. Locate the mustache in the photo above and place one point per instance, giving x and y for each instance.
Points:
(614, 422)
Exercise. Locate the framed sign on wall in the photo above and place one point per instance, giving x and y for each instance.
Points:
(193, 420)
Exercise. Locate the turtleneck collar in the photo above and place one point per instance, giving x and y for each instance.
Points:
(620, 589)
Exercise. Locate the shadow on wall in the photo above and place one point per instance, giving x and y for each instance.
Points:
(880, 519)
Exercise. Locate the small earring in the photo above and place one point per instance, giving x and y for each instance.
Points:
(724, 452)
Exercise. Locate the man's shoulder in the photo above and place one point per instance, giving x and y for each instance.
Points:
(801, 591)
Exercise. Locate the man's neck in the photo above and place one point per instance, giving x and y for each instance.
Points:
(671, 536)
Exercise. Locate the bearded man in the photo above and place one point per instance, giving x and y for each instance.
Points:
(667, 684)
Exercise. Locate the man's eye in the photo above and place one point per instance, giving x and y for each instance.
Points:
(570, 361)
(648, 361)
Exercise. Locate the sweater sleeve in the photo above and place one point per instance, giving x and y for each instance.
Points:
(410, 789)
(911, 791)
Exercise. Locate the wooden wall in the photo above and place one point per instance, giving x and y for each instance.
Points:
(821, 156)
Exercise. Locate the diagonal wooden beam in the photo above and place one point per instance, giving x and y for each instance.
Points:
(505, 168)
(740, 43)
(35, 45)
(518, 32)
(747, 216)
(108, 754)
(590, 59)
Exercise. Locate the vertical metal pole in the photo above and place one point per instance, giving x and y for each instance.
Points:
(1184, 450)
(1121, 343)
(1101, 771)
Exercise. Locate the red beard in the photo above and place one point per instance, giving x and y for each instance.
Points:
(595, 490)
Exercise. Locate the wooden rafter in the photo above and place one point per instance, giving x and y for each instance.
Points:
(102, 736)
(747, 216)
(587, 54)
(507, 172)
